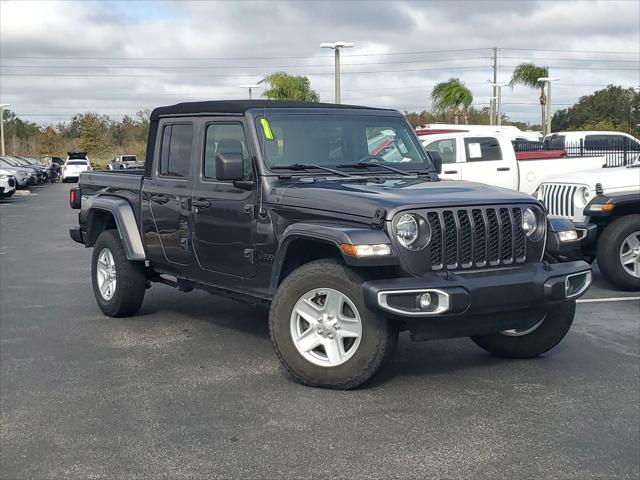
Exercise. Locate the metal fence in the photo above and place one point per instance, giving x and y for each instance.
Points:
(616, 154)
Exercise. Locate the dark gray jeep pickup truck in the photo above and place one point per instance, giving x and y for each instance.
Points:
(334, 216)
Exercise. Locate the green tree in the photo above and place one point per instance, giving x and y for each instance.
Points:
(527, 74)
(454, 96)
(612, 108)
(283, 86)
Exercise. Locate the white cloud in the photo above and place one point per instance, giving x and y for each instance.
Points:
(182, 33)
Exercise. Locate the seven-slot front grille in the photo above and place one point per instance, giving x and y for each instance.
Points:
(476, 237)
(558, 198)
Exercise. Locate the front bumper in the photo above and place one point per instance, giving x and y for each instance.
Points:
(477, 303)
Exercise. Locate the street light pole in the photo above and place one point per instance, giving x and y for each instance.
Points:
(2, 107)
(251, 87)
(547, 81)
(336, 46)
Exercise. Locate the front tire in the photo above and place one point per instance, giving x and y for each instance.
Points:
(619, 252)
(534, 341)
(119, 284)
(322, 331)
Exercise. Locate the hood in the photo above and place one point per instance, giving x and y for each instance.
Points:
(363, 196)
(610, 178)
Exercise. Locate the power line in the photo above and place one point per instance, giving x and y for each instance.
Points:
(569, 51)
(363, 72)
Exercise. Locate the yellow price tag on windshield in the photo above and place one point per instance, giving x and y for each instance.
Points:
(266, 129)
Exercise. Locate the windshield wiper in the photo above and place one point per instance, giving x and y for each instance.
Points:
(302, 166)
(365, 164)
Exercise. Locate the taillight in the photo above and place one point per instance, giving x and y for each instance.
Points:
(75, 199)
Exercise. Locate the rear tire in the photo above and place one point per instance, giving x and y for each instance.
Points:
(123, 296)
(364, 340)
(611, 245)
(531, 342)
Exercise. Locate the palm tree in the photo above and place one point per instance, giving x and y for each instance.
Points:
(527, 74)
(452, 95)
(283, 86)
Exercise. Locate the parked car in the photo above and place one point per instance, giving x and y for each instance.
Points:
(284, 203)
(491, 159)
(25, 177)
(605, 206)
(122, 162)
(44, 171)
(513, 133)
(7, 183)
(618, 148)
(76, 163)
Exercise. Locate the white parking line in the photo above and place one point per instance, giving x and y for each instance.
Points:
(610, 299)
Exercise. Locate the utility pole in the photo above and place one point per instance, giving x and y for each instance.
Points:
(2, 107)
(495, 81)
(251, 87)
(498, 100)
(336, 46)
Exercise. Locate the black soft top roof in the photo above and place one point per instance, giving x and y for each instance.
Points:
(241, 106)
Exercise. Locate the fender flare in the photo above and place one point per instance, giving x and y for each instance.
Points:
(333, 235)
(125, 222)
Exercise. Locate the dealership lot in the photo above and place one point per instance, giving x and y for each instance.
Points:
(192, 388)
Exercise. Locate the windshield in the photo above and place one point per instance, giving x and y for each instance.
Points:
(11, 161)
(339, 140)
(129, 158)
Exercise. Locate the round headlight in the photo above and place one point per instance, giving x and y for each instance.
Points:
(413, 231)
(529, 222)
(581, 197)
(407, 230)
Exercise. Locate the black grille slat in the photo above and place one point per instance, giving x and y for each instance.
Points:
(519, 240)
(506, 248)
(450, 239)
(480, 238)
(465, 239)
(436, 240)
(493, 237)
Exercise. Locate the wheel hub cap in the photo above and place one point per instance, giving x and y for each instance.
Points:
(106, 274)
(326, 327)
(630, 254)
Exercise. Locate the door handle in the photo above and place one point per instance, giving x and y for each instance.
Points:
(159, 199)
(503, 169)
(451, 171)
(200, 202)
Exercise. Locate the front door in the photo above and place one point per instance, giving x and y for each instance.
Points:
(448, 150)
(223, 214)
(166, 196)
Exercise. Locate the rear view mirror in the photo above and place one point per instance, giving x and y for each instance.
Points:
(229, 166)
(436, 159)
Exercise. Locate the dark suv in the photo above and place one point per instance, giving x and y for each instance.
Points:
(335, 216)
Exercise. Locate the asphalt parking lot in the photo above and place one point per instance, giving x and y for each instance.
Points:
(191, 388)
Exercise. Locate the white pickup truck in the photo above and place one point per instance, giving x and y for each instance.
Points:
(491, 159)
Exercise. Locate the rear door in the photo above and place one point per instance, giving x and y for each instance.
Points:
(223, 214)
(166, 195)
(449, 152)
(487, 162)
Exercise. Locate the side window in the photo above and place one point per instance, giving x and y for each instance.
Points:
(175, 151)
(223, 138)
(482, 149)
(446, 147)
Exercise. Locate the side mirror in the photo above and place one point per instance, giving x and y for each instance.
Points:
(229, 166)
(436, 159)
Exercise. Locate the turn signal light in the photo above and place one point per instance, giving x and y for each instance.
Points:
(365, 250)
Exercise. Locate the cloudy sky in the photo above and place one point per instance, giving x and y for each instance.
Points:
(115, 58)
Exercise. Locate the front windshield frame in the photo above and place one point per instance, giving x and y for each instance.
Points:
(374, 119)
